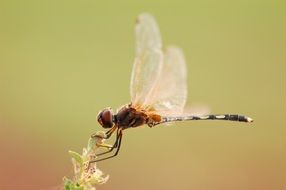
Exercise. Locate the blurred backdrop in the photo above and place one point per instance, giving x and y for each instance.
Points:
(63, 61)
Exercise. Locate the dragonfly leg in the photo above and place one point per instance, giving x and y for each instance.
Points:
(115, 145)
(108, 133)
(152, 124)
(117, 151)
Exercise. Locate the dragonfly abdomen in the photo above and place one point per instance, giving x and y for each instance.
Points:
(227, 117)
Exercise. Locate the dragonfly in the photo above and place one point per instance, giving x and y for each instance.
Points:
(158, 89)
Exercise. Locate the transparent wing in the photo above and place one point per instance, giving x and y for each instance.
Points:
(148, 61)
(196, 109)
(170, 93)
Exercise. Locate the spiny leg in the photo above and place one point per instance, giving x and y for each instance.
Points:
(118, 148)
(115, 145)
(108, 133)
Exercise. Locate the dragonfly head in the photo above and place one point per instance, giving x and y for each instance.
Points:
(105, 118)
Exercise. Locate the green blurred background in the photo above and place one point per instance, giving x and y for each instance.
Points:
(63, 61)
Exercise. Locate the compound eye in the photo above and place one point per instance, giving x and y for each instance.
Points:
(106, 115)
(105, 118)
(99, 120)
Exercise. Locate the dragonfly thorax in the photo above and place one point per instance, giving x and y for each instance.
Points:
(129, 117)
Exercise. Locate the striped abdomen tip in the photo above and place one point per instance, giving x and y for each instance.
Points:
(248, 119)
